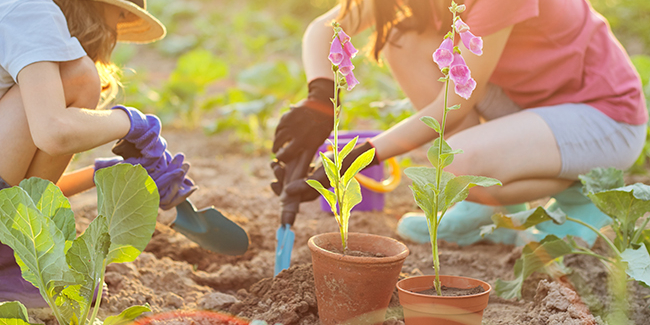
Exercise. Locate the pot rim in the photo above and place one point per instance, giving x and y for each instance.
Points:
(486, 292)
(360, 259)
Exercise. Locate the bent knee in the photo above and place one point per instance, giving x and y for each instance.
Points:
(81, 83)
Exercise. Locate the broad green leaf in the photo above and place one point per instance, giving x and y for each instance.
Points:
(330, 169)
(70, 303)
(601, 179)
(446, 157)
(424, 201)
(352, 196)
(626, 204)
(328, 195)
(421, 176)
(458, 187)
(431, 122)
(52, 203)
(37, 242)
(129, 199)
(13, 321)
(127, 316)
(347, 148)
(13, 309)
(88, 253)
(357, 165)
(638, 264)
(535, 257)
(524, 219)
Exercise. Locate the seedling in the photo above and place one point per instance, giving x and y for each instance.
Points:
(347, 191)
(36, 221)
(434, 189)
(626, 205)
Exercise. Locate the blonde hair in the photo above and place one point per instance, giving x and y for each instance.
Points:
(86, 22)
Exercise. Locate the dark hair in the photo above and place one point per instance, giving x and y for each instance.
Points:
(404, 15)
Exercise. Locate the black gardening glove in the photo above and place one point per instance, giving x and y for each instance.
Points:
(306, 126)
(308, 193)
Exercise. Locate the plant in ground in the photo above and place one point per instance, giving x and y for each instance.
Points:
(434, 189)
(347, 191)
(629, 251)
(36, 221)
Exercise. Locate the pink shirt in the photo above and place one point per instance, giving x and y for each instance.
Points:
(560, 51)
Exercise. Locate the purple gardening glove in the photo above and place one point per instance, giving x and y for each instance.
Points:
(107, 162)
(170, 175)
(144, 132)
(168, 172)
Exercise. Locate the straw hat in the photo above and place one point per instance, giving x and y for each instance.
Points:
(146, 28)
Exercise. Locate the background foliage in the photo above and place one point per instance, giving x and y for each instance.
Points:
(234, 66)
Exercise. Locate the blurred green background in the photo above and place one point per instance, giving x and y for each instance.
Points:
(234, 66)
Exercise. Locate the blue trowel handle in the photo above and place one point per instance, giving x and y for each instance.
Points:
(295, 169)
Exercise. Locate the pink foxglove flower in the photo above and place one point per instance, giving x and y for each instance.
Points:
(460, 26)
(458, 71)
(444, 54)
(351, 80)
(473, 43)
(346, 66)
(465, 89)
(336, 52)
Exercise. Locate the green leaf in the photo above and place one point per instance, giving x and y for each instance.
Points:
(446, 157)
(526, 219)
(37, 242)
(13, 309)
(360, 163)
(13, 321)
(431, 122)
(330, 169)
(127, 316)
(328, 195)
(347, 148)
(626, 204)
(129, 199)
(535, 257)
(458, 187)
(52, 203)
(455, 107)
(352, 197)
(600, 179)
(638, 264)
(88, 253)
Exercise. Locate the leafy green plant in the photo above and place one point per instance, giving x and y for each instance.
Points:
(434, 189)
(36, 221)
(628, 252)
(347, 191)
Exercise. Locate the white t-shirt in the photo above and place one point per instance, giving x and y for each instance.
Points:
(32, 31)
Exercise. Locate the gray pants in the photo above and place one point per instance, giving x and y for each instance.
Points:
(586, 137)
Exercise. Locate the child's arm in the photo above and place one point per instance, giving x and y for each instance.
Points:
(77, 181)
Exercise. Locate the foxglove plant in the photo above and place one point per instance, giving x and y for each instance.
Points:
(434, 189)
(347, 192)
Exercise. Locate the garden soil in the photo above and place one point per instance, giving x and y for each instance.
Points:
(174, 274)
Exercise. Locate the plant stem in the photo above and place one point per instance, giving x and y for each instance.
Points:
(638, 233)
(609, 242)
(337, 163)
(99, 295)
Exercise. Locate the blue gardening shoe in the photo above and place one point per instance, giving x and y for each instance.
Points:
(576, 205)
(461, 224)
(12, 285)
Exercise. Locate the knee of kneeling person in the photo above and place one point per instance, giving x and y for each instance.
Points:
(81, 83)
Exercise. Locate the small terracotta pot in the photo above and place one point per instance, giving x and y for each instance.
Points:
(351, 289)
(421, 309)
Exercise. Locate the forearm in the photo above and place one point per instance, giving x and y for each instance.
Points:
(315, 47)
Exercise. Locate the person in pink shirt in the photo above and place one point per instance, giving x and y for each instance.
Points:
(556, 96)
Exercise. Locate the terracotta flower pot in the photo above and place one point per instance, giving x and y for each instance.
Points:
(351, 289)
(421, 309)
